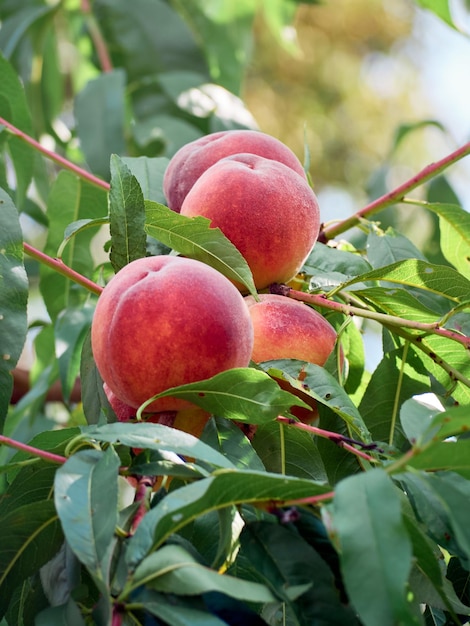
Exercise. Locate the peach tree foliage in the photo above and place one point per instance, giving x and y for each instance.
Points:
(362, 519)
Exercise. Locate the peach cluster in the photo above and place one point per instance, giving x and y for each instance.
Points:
(164, 321)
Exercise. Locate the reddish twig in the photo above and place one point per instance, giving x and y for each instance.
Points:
(389, 320)
(97, 37)
(65, 163)
(143, 489)
(60, 267)
(339, 440)
(397, 194)
(43, 454)
(311, 499)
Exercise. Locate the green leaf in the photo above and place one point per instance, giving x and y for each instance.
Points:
(291, 451)
(441, 8)
(444, 424)
(374, 541)
(227, 437)
(406, 129)
(449, 455)
(80, 226)
(30, 537)
(225, 31)
(447, 361)
(71, 328)
(126, 216)
(172, 611)
(285, 563)
(193, 237)
(243, 394)
(330, 266)
(437, 279)
(392, 383)
(70, 200)
(14, 108)
(94, 401)
(398, 302)
(157, 437)
(224, 488)
(171, 569)
(13, 298)
(323, 387)
(149, 173)
(100, 114)
(131, 36)
(389, 247)
(428, 582)
(15, 28)
(416, 416)
(86, 497)
(452, 493)
(64, 615)
(454, 226)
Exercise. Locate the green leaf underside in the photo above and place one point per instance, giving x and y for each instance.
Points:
(86, 496)
(374, 541)
(157, 437)
(224, 488)
(172, 570)
(193, 237)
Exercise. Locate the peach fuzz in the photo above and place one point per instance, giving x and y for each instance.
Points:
(165, 321)
(194, 158)
(266, 210)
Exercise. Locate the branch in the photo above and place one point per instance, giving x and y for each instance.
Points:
(43, 454)
(65, 163)
(340, 440)
(60, 267)
(97, 37)
(396, 195)
(433, 328)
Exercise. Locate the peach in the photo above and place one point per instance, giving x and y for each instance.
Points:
(266, 210)
(164, 321)
(289, 329)
(194, 158)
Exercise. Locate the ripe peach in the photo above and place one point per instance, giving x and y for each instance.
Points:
(164, 321)
(266, 210)
(193, 159)
(288, 329)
